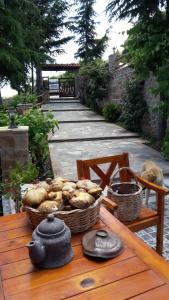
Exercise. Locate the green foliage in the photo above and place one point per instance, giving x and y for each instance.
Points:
(40, 125)
(22, 174)
(83, 25)
(23, 98)
(112, 111)
(67, 74)
(165, 146)
(135, 8)
(19, 175)
(147, 50)
(95, 77)
(4, 118)
(134, 105)
(30, 32)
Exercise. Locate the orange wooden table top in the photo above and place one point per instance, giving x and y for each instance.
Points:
(137, 273)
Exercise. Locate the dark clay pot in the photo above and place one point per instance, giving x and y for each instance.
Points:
(50, 246)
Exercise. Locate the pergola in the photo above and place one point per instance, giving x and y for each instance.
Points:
(66, 86)
(60, 67)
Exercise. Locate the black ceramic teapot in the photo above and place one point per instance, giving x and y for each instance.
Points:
(50, 246)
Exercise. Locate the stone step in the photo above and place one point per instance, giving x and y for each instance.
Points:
(98, 138)
(63, 101)
(77, 116)
(64, 106)
(81, 121)
(52, 98)
(73, 109)
(89, 131)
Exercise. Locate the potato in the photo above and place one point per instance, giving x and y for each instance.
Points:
(69, 187)
(49, 206)
(95, 192)
(81, 200)
(45, 185)
(56, 186)
(86, 184)
(35, 196)
(61, 179)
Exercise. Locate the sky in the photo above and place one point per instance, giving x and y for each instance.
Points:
(117, 36)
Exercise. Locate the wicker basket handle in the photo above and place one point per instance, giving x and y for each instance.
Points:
(124, 168)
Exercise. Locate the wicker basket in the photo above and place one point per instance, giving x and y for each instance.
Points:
(77, 220)
(128, 196)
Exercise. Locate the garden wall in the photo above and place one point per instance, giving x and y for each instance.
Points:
(13, 148)
(119, 75)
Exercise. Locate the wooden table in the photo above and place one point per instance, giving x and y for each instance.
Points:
(138, 273)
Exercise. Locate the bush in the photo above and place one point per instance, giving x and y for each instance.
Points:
(134, 105)
(95, 77)
(112, 111)
(23, 98)
(4, 118)
(165, 146)
(40, 125)
(18, 176)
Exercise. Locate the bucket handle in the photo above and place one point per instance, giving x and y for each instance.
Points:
(124, 168)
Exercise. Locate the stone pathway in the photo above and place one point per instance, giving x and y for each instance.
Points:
(83, 134)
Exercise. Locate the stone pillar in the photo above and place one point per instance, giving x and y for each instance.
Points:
(113, 62)
(13, 148)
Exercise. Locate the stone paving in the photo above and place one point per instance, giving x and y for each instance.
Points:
(82, 138)
(89, 131)
(79, 116)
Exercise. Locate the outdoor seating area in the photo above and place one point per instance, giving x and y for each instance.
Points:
(84, 150)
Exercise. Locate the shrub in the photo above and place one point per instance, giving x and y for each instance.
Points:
(23, 98)
(134, 105)
(40, 125)
(95, 79)
(18, 176)
(112, 111)
(4, 118)
(165, 146)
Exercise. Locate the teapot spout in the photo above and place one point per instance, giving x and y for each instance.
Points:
(37, 252)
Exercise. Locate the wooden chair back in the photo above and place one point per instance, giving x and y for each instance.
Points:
(84, 168)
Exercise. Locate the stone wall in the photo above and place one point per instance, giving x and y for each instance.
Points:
(117, 85)
(152, 124)
(13, 148)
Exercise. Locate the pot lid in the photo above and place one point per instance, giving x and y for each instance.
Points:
(51, 225)
(101, 243)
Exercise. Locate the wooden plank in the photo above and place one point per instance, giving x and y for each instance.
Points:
(160, 293)
(15, 243)
(76, 267)
(149, 256)
(84, 282)
(15, 233)
(125, 288)
(22, 254)
(22, 241)
(14, 221)
(140, 225)
(1, 289)
(14, 217)
(25, 266)
(13, 256)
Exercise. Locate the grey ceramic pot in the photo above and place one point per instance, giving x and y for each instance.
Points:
(50, 246)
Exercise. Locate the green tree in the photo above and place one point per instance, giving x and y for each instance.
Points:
(84, 27)
(141, 9)
(30, 33)
(53, 21)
